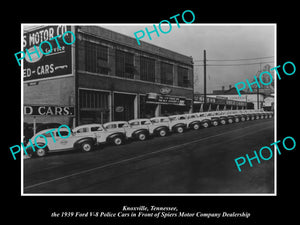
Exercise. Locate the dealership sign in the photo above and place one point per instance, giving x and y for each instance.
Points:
(58, 62)
(165, 99)
(46, 110)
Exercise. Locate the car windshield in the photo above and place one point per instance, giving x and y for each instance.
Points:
(134, 123)
(154, 120)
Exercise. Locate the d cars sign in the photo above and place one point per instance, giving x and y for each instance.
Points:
(57, 63)
(46, 110)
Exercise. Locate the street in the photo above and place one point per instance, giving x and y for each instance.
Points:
(195, 162)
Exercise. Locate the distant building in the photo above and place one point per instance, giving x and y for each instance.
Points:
(253, 99)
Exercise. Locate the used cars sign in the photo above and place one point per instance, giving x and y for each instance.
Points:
(45, 110)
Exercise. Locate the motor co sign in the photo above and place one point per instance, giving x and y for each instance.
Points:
(57, 63)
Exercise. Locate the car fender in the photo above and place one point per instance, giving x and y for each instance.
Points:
(193, 123)
(205, 121)
(157, 129)
(137, 132)
(178, 125)
(117, 134)
(78, 143)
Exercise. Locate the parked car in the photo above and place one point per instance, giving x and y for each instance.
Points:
(134, 129)
(138, 129)
(193, 121)
(101, 134)
(213, 117)
(161, 125)
(231, 116)
(178, 123)
(204, 119)
(197, 120)
(54, 142)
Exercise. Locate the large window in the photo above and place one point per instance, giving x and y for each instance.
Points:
(94, 106)
(147, 69)
(166, 72)
(124, 64)
(183, 77)
(96, 58)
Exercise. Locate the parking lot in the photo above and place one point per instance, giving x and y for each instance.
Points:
(196, 161)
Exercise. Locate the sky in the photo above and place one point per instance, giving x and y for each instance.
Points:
(221, 42)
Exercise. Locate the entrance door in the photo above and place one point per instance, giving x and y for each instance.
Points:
(123, 107)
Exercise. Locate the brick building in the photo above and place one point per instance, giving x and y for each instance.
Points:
(103, 76)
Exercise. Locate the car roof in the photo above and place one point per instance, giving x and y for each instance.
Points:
(142, 119)
(160, 117)
(46, 130)
(88, 125)
(114, 122)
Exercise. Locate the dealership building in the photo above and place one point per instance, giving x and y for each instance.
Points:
(103, 76)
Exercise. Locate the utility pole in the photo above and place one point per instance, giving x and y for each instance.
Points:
(257, 87)
(204, 66)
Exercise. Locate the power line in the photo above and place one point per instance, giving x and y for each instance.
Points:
(230, 60)
(238, 64)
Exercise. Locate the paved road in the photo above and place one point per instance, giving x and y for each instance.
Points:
(193, 162)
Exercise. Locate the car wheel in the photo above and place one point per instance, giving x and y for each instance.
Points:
(223, 122)
(86, 146)
(117, 141)
(142, 136)
(205, 124)
(237, 120)
(162, 133)
(41, 152)
(252, 118)
(215, 123)
(196, 126)
(179, 130)
(243, 119)
(230, 121)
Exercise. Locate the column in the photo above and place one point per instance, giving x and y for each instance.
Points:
(157, 110)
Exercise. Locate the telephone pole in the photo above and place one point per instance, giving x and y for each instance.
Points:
(204, 66)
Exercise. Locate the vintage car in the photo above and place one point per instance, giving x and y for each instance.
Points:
(160, 125)
(134, 129)
(178, 123)
(50, 141)
(197, 120)
(213, 117)
(84, 137)
(101, 134)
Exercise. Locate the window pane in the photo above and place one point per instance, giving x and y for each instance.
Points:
(124, 64)
(147, 69)
(96, 58)
(166, 73)
(183, 78)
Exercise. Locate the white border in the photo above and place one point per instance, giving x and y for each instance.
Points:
(156, 194)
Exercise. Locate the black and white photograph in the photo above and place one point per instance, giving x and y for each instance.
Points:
(154, 115)
(145, 115)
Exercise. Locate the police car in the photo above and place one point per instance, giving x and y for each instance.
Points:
(51, 140)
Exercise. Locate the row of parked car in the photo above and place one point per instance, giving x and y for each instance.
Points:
(87, 136)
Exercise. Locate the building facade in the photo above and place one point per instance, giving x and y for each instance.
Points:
(104, 76)
(253, 100)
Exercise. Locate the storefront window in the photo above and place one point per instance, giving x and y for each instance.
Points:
(94, 107)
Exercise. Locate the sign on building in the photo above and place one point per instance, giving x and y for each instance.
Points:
(57, 63)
